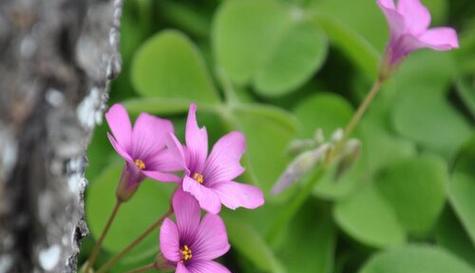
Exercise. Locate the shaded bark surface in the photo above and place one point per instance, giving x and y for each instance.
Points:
(56, 60)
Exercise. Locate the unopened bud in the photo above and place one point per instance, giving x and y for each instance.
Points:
(301, 165)
(128, 184)
(348, 156)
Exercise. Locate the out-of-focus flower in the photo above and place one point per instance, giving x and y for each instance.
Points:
(210, 178)
(409, 22)
(142, 147)
(193, 243)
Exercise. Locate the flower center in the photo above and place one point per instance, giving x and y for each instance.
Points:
(186, 253)
(198, 178)
(139, 163)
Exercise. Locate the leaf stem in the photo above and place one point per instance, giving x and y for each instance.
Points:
(97, 247)
(134, 243)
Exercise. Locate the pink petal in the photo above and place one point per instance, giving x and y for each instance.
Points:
(119, 149)
(196, 141)
(395, 20)
(223, 162)
(206, 197)
(207, 267)
(211, 239)
(149, 136)
(416, 16)
(170, 241)
(234, 195)
(177, 154)
(387, 4)
(119, 123)
(165, 161)
(187, 212)
(181, 268)
(161, 176)
(440, 38)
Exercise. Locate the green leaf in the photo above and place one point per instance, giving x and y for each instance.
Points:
(169, 66)
(467, 94)
(294, 60)
(461, 192)
(268, 131)
(268, 44)
(99, 152)
(355, 47)
(367, 217)
(328, 111)
(244, 32)
(309, 250)
(148, 204)
(359, 16)
(158, 106)
(248, 242)
(415, 188)
(330, 188)
(462, 187)
(419, 118)
(465, 158)
(415, 259)
(380, 148)
(451, 235)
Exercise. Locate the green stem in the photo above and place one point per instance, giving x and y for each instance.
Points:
(133, 244)
(95, 251)
(289, 212)
(363, 107)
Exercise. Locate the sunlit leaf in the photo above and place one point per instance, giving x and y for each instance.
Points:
(268, 131)
(168, 65)
(416, 259)
(267, 44)
(367, 217)
(327, 111)
(415, 188)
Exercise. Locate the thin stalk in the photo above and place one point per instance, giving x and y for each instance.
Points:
(289, 212)
(133, 244)
(363, 107)
(97, 247)
(143, 268)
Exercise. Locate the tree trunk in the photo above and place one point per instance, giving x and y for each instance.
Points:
(57, 58)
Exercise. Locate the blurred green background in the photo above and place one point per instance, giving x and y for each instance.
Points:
(277, 70)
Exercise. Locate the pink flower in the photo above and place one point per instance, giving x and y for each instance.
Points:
(210, 178)
(409, 24)
(193, 243)
(142, 147)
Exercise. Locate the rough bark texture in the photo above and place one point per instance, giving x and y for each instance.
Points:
(57, 57)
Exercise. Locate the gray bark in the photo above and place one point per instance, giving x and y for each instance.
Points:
(56, 60)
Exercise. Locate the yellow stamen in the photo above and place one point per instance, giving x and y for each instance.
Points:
(139, 163)
(198, 178)
(186, 253)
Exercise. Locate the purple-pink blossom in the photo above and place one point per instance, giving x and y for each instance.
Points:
(193, 243)
(210, 178)
(143, 147)
(409, 22)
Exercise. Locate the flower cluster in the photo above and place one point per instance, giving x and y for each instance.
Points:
(207, 181)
